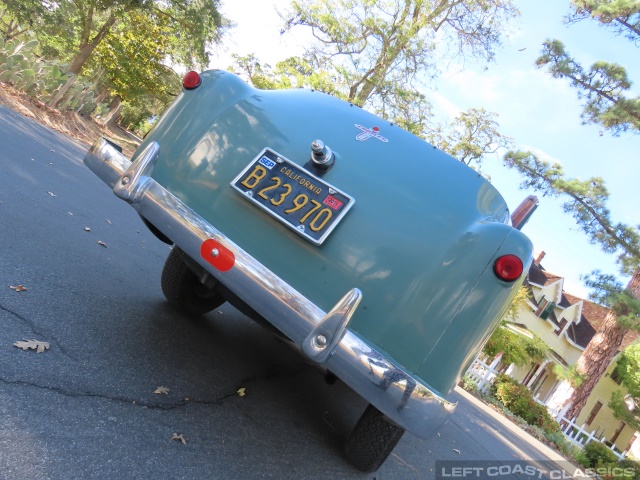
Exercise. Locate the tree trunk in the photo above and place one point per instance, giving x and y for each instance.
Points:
(98, 100)
(62, 91)
(87, 47)
(114, 112)
(84, 52)
(599, 353)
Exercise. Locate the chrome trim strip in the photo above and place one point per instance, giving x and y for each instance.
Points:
(132, 184)
(394, 391)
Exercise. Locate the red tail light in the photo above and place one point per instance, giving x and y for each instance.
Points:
(191, 80)
(508, 268)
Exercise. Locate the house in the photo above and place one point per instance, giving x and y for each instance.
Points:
(567, 323)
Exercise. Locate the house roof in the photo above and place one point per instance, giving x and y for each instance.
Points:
(539, 276)
(592, 314)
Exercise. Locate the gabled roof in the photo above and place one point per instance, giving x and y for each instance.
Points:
(539, 276)
(592, 316)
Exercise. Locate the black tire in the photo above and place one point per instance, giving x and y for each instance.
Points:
(372, 440)
(183, 289)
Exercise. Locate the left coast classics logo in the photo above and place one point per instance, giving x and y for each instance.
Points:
(368, 133)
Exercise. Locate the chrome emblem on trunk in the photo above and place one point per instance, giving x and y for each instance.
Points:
(368, 133)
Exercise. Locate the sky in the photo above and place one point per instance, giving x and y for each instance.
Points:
(538, 112)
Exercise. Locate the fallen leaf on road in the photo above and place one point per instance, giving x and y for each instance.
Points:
(87, 229)
(179, 438)
(52, 194)
(19, 288)
(161, 391)
(457, 451)
(242, 392)
(36, 345)
(100, 242)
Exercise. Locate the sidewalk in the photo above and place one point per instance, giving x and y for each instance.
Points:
(545, 450)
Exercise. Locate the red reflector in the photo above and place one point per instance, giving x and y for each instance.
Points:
(217, 255)
(191, 80)
(508, 268)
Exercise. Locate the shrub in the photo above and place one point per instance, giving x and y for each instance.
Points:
(599, 455)
(628, 463)
(519, 400)
(469, 385)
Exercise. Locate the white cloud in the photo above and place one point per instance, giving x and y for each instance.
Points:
(445, 105)
(541, 154)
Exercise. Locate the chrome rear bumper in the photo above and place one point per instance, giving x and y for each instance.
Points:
(323, 337)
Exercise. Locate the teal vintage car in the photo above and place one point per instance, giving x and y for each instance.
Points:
(383, 259)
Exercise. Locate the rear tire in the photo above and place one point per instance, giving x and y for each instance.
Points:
(372, 440)
(182, 287)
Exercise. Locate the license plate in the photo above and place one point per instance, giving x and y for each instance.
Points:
(303, 202)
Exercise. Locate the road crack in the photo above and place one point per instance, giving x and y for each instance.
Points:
(273, 371)
(36, 332)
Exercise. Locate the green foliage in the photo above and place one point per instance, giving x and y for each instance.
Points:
(472, 135)
(372, 44)
(469, 385)
(628, 413)
(120, 44)
(628, 369)
(581, 458)
(599, 455)
(623, 16)
(569, 374)
(602, 88)
(376, 53)
(627, 463)
(586, 202)
(294, 72)
(196, 27)
(519, 400)
(20, 67)
(516, 348)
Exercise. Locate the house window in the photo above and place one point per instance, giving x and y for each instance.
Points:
(594, 411)
(545, 307)
(615, 376)
(617, 432)
(561, 326)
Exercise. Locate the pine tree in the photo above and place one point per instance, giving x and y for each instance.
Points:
(604, 90)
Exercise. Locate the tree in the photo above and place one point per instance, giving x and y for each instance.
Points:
(377, 42)
(602, 88)
(587, 204)
(16, 18)
(72, 30)
(375, 49)
(131, 64)
(377, 53)
(628, 369)
(472, 135)
(515, 348)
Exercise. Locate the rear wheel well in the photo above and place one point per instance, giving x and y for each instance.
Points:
(156, 231)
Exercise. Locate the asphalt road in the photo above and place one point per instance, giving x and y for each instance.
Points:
(85, 408)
